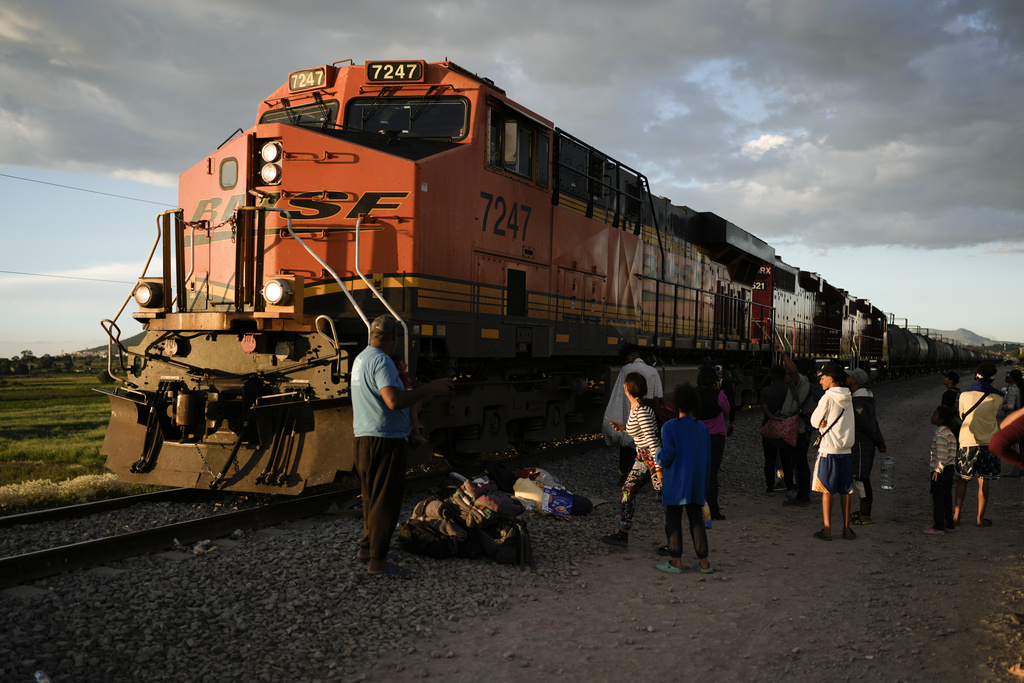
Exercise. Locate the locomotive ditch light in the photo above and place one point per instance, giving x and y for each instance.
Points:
(277, 292)
(282, 296)
(149, 295)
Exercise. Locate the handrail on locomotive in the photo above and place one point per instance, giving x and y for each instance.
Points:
(242, 293)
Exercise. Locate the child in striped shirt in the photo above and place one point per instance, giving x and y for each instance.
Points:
(943, 457)
(643, 426)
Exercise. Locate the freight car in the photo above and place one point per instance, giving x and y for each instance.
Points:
(517, 258)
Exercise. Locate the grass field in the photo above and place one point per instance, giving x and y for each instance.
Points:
(51, 429)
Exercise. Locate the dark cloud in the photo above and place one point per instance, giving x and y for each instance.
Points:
(864, 123)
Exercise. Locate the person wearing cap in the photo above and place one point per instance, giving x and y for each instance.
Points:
(618, 407)
(867, 436)
(978, 408)
(833, 470)
(381, 427)
(1013, 393)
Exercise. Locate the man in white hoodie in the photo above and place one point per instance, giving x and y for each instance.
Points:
(833, 471)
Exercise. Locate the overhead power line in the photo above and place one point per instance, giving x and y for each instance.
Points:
(82, 189)
(66, 277)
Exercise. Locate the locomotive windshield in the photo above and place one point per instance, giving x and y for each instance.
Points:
(410, 117)
(320, 115)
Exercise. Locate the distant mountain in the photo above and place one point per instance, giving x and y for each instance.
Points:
(971, 339)
(128, 341)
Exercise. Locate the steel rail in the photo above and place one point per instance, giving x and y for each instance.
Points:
(41, 564)
(85, 509)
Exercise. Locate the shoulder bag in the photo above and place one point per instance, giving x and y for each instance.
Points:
(781, 428)
(817, 440)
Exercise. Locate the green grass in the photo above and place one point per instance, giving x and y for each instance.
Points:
(52, 419)
(51, 429)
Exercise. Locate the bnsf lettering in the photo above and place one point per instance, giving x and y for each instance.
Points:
(306, 206)
(206, 210)
(679, 273)
(376, 200)
(321, 209)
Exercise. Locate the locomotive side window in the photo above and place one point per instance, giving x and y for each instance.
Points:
(543, 159)
(228, 173)
(410, 117)
(515, 146)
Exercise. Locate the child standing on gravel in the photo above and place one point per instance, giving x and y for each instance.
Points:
(943, 458)
(642, 425)
(686, 459)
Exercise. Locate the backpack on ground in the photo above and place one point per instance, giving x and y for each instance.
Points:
(423, 537)
(506, 543)
(419, 537)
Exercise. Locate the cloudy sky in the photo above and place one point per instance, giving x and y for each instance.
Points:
(877, 142)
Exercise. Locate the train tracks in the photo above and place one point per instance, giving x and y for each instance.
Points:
(40, 564)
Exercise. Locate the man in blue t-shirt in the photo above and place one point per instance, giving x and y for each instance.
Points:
(380, 424)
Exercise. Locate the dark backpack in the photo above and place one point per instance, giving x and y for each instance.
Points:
(505, 480)
(506, 543)
(420, 537)
(664, 409)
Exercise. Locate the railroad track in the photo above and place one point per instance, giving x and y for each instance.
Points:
(37, 565)
(85, 509)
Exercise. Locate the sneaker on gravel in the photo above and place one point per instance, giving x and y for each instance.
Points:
(618, 539)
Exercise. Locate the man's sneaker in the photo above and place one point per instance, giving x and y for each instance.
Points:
(663, 551)
(618, 539)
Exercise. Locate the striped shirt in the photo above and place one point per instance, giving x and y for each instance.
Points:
(943, 449)
(643, 427)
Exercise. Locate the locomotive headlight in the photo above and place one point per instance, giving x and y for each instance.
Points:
(271, 174)
(277, 292)
(149, 294)
(271, 152)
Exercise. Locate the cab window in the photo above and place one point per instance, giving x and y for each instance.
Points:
(517, 146)
(410, 117)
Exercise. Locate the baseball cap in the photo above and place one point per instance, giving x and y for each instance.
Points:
(858, 375)
(833, 371)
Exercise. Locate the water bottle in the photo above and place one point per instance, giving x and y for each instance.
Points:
(888, 473)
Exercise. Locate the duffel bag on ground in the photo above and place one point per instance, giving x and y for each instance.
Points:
(422, 537)
(506, 542)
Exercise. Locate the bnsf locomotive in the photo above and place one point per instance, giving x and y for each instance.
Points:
(517, 258)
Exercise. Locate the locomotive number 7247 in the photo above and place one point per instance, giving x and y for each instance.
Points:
(515, 219)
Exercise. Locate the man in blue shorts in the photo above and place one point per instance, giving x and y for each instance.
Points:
(978, 408)
(833, 471)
